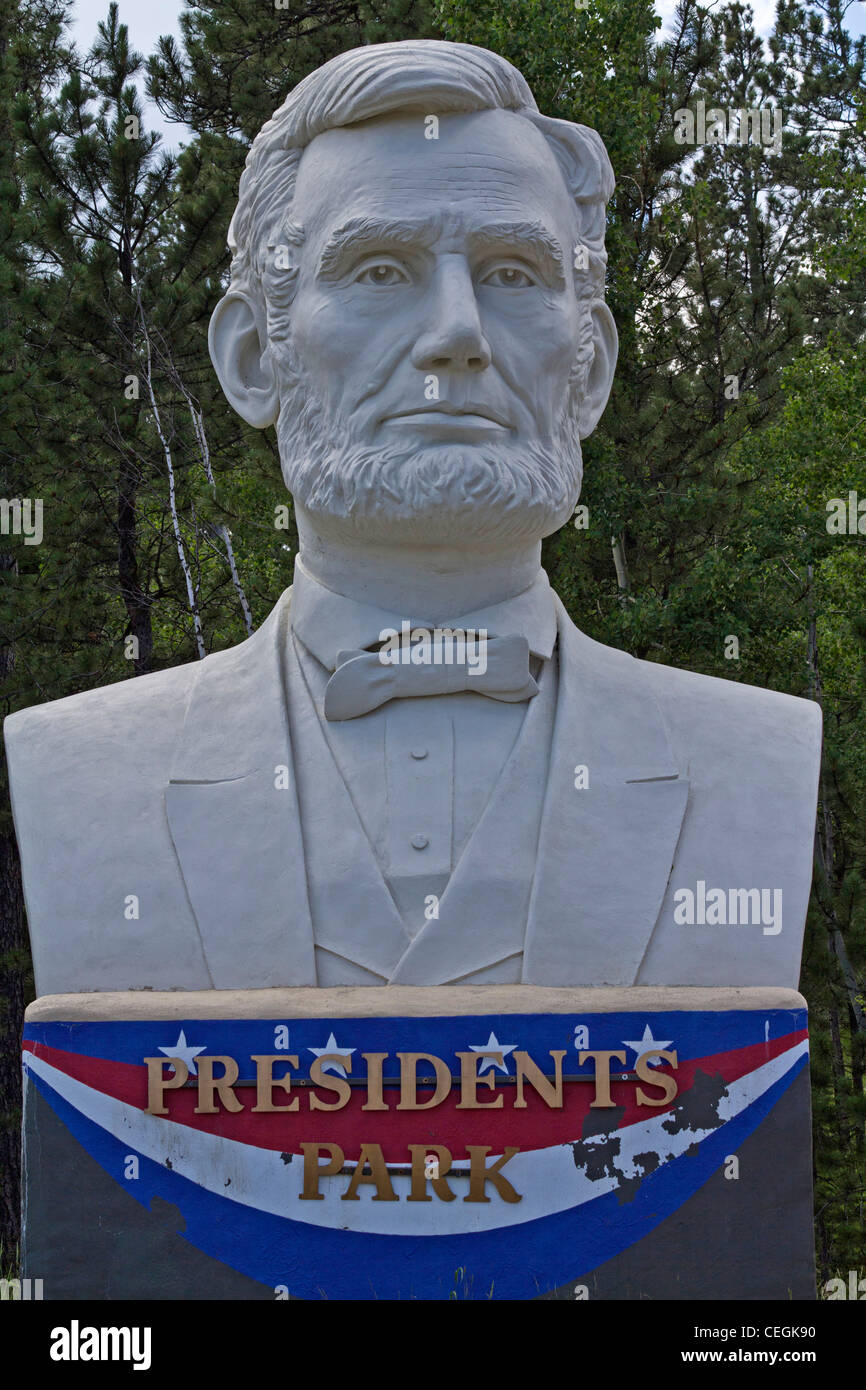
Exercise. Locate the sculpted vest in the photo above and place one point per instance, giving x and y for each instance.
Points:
(477, 917)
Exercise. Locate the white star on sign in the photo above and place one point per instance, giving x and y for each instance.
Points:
(328, 1050)
(493, 1045)
(648, 1044)
(183, 1050)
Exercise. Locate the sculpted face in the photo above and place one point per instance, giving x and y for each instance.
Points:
(436, 256)
(435, 327)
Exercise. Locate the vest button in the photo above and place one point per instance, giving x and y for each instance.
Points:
(419, 753)
(419, 842)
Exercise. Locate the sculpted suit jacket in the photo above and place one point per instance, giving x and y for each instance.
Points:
(161, 840)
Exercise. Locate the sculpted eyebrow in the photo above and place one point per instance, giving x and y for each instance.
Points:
(362, 233)
(529, 236)
(359, 233)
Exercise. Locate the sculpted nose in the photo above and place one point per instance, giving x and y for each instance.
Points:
(452, 336)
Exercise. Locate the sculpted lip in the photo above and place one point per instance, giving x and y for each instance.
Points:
(469, 414)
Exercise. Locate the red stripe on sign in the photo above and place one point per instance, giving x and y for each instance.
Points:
(123, 1080)
(535, 1127)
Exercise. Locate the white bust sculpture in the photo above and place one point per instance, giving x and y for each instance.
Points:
(416, 303)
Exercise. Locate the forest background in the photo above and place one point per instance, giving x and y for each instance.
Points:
(715, 487)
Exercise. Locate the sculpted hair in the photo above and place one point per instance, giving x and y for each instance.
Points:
(427, 76)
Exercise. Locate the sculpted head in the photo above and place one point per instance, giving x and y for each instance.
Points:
(417, 298)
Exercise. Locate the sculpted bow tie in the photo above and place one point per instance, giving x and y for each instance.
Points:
(497, 667)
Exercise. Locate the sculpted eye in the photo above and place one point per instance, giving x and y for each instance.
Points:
(509, 277)
(381, 273)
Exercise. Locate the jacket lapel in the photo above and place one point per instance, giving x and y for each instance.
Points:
(353, 912)
(605, 850)
(232, 809)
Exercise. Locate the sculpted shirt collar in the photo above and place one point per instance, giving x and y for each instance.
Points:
(327, 622)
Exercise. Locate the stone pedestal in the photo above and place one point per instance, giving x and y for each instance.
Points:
(498, 1142)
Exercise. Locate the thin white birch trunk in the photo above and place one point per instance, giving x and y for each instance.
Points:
(172, 491)
(619, 562)
(198, 426)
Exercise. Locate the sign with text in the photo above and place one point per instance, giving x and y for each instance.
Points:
(501, 1156)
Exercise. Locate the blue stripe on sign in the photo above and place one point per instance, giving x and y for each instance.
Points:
(693, 1035)
(514, 1262)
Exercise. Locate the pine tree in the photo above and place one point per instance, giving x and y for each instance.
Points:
(32, 55)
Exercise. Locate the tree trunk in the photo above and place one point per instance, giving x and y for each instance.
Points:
(135, 599)
(15, 992)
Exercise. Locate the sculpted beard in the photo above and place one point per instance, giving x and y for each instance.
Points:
(502, 492)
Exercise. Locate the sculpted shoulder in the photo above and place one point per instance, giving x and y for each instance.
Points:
(137, 720)
(721, 727)
(712, 725)
(133, 718)
(752, 758)
(714, 784)
(106, 902)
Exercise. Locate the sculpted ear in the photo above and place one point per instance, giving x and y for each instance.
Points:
(605, 347)
(237, 342)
